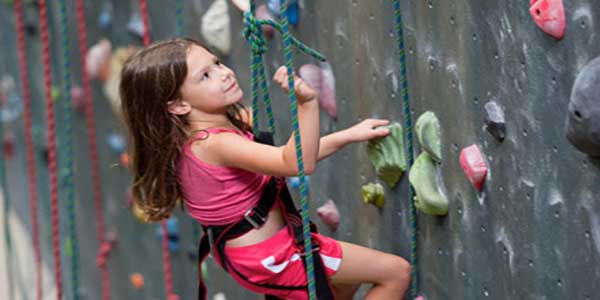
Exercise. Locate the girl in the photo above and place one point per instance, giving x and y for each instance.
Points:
(191, 140)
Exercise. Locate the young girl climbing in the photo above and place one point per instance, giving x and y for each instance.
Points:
(191, 141)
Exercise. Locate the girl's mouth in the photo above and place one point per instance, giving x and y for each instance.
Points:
(233, 86)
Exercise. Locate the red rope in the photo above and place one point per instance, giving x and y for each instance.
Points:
(52, 148)
(30, 158)
(94, 161)
(165, 235)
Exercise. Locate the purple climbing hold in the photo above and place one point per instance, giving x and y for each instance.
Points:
(321, 78)
(262, 13)
(583, 121)
(329, 214)
(495, 122)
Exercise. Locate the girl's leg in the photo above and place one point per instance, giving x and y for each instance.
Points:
(389, 274)
(345, 291)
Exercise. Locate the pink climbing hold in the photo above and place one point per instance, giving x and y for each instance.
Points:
(262, 13)
(473, 163)
(549, 15)
(322, 79)
(77, 98)
(329, 214)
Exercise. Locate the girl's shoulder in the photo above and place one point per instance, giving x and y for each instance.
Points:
(205, 149)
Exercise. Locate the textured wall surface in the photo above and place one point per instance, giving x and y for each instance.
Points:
(533, 232)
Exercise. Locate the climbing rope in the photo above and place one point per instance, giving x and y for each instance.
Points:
(50, 127)
(165, 234)
(414, 288)
(30, 157)
(253, 33)
(93, 150)
(179, 17)
(258, 45)
(67, 157)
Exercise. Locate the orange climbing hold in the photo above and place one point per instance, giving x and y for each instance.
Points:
(137, 280)
(549, 15)
(473, 163)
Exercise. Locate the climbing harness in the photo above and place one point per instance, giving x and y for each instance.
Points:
(274, 193)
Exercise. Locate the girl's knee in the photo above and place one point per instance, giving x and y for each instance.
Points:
(401, 271)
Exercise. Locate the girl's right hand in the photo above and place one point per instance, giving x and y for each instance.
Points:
(304, 92)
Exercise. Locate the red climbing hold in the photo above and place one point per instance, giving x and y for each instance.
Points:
(549, 15)
(472, 162)
(329, 214)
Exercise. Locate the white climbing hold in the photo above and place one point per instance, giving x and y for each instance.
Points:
(216, 27)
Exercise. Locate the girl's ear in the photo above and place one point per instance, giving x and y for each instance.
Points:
(178, 107)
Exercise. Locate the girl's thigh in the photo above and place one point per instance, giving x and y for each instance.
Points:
(364, 265)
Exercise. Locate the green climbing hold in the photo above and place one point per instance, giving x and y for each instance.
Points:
(387, 155)
(68, 247)
(425, 178)
(427, 130)
(373, 194)
(54, 93)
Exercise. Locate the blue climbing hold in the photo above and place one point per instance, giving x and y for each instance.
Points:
(295, 182)
(116, 142)
(292, 10)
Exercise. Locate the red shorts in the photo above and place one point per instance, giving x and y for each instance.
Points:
(277, 261)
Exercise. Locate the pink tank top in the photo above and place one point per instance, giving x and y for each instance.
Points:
(217, 195)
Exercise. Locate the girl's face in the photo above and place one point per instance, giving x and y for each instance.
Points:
(210, 86)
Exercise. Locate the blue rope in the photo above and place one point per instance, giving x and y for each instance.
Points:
(414, 288)
(67, 172)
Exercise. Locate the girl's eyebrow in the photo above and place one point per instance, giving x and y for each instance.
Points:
(214, 59)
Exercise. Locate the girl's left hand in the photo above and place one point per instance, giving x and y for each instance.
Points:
(366, 130)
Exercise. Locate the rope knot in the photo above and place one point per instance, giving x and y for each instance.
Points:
(253, 33)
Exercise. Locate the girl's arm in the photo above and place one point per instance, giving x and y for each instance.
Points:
(229, 149)
(362, 131)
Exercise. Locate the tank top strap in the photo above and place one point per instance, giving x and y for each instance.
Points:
(204, 133)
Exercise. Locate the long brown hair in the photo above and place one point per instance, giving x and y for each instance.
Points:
(149, 79)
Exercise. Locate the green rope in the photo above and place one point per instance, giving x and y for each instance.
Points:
(179, 16)
(5, 216)
(258, 45)
(67, 150)
(414, 288)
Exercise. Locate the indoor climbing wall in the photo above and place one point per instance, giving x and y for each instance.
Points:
(491, 92)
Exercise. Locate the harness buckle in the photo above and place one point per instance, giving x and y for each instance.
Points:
(254, 218)
(314, 249)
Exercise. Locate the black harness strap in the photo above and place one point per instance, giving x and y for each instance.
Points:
(216, 236)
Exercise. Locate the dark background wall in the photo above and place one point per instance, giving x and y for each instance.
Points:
(532, 233)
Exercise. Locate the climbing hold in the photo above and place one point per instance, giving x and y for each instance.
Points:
(329, 214)
(427, 130)
(105, 17)
(124, 159)
(105, 248)
(473, 164)
(173, 297)
(373, 194)
(135, 25)
(292, 9)
(387, 155)
(54, 93)
(321, 78)
(262, 13)
(137, 280)
(68, 247)
(113, 78)
(216, 27)
(97, 60)
(583, 121)
(295, 181)
(549, 15)
(116, 142)
(11, 104)
(425, 178)
(494, 120)
(8, 145)
(172, 233)
(77, 100)
(219, 296)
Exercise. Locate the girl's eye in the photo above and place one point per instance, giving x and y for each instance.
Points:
(204, 76)
(218, 62)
